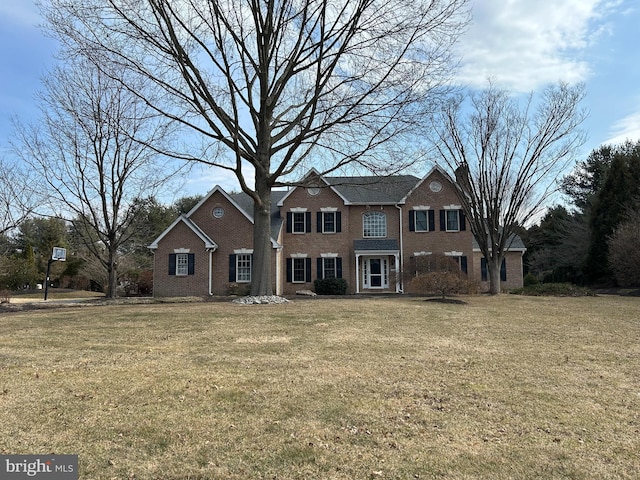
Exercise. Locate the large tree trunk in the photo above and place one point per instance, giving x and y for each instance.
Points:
(493, 265)
(112, 276)
(261, 276)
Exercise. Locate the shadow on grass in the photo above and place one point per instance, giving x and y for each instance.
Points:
(452, 301)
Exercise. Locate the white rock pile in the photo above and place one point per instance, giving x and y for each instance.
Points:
(260, 299)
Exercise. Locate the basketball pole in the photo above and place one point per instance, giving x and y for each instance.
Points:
(46, 281)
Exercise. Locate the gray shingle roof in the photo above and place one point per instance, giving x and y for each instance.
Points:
(375, 244)
(245, 202)
(370, 190)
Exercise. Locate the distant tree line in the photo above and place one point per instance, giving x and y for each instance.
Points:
(596, 239)
(25, 251)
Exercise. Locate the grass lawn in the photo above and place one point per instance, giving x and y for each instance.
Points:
(498, 388)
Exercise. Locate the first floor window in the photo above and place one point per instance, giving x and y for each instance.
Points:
(461, 260)
(299, 270)
(484, 271)
(330, 267)
(243, 269)
(181, 264)
(240, 267)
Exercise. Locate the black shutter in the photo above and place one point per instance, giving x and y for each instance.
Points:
(503, 270)
(483, 269)
(338, 222)
(319, 272)
(443, 220)
(463, 223)
(289, 270)
(432, 221)
(307, 265)
(412, 221)
(319, 222)
(232, 268)
(192, 264)
(289, 221)
(339, 267)
(307, 222)
(463, 263)
(172, 264)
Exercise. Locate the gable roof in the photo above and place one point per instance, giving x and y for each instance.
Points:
(208, 243)
(366, 190)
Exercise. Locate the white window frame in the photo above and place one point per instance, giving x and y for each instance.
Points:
(325, 216)
(295, 269)
(327, 268)
(296, 223)
(374, 225)
(457, 220)
(244, 267)
(426, 220)
(182, 264)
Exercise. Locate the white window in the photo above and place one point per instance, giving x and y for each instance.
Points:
(374, 225)
(328, 222)
(299, 270)
(329, 268)
(182, 264)
(452, 220)
(421, 219)
(243, 268)
(299, 225)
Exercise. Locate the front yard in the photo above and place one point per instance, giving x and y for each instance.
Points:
(499, 387)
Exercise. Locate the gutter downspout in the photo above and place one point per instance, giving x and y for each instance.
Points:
(399, 270)
(211, 250)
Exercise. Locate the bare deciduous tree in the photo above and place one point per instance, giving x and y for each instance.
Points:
(265, 85)
(87, 154)
(17, 200)
(506, 157)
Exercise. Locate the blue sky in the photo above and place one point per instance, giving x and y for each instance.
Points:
(522, 45)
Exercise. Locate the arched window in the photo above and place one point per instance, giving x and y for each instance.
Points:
(374, 225)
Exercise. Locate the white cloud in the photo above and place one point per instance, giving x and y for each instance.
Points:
(203, 179)
(627, 128)
(524, 44)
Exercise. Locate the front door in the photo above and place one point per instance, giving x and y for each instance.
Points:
(376, 273)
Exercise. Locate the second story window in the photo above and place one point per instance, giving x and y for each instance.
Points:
(374, 225)
(298, 221)
(329, 221)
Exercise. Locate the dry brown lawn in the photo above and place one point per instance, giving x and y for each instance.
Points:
(402, 388)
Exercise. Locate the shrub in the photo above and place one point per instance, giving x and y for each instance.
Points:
(441, 282)
(554, 289)
(330, 286)
(530, 279)
(239, 289)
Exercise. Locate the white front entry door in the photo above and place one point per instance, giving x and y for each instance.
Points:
(376, 273)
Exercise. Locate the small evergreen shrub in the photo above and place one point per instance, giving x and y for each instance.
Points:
(330, 286)
(530, 279)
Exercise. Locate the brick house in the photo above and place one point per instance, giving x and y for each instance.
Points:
(371, 231)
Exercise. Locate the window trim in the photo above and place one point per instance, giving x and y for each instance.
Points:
(242, 270)
(374, 227)
(446, 220)
(182, 264)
